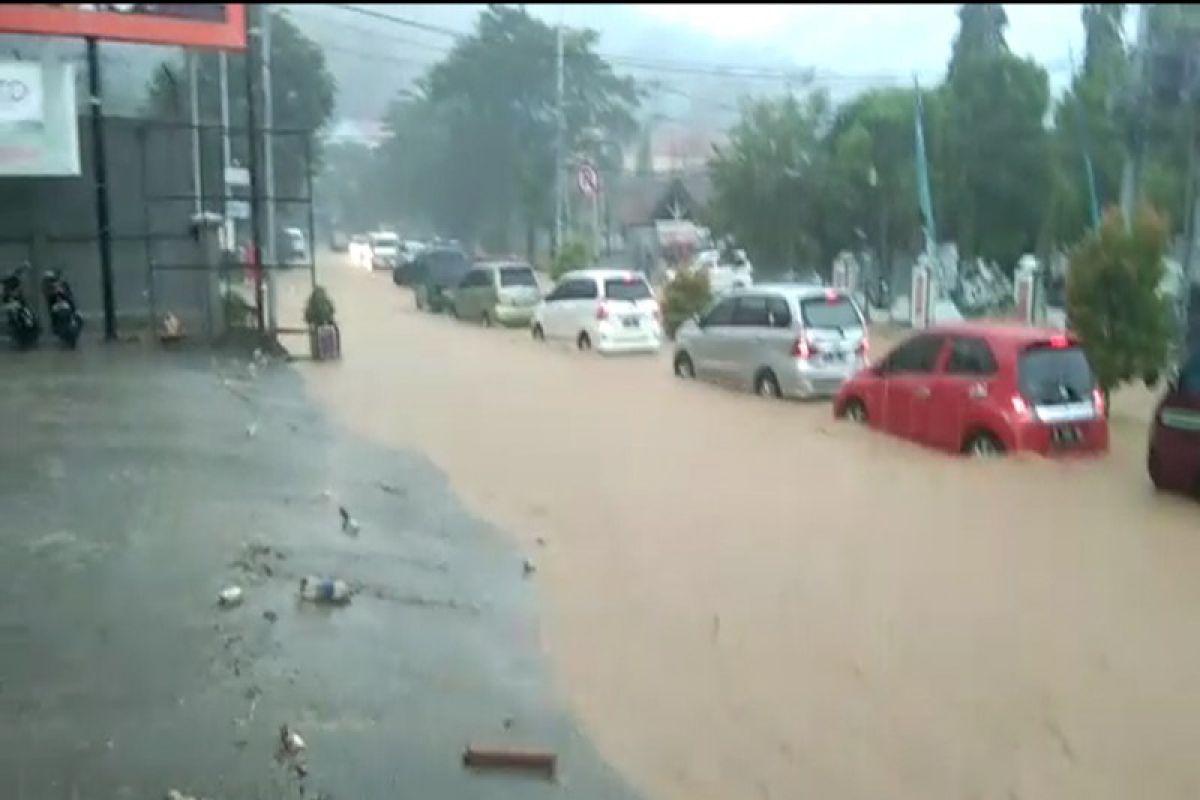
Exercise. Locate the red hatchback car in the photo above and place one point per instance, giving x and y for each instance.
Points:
(1174, 457)
(983, 389)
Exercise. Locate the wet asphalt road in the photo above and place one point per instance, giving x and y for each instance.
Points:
(132, 493)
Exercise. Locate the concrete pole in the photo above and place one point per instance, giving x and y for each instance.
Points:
(194, 114)
(226, 149)
(558, 146)
(269, 170)
(1131, 172)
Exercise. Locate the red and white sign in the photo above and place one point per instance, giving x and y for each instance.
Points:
(589, 180)
(216, 25)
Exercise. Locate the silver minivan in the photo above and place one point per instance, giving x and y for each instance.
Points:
(782, 340)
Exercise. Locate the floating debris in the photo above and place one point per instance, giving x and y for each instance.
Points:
(230, 596)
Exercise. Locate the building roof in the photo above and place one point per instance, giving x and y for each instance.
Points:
(646, 198)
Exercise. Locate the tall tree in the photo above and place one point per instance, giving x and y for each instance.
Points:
(302, 91)
(993, 154)
(980, 34)
(494, 100)
(768, 181)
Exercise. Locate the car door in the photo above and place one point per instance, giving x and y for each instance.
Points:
(908, 387)
(958, 390)
(579, 311)
(1178, 439)
(714, 328)
(557, 302)
(746, 336)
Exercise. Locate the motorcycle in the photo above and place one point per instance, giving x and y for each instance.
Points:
(65, 320)
(23, 327)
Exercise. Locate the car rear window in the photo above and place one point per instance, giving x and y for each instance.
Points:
(517, 276)
(626, 289)
(447, 267)
(1054, 376)
(1189, 376)
(836, 313)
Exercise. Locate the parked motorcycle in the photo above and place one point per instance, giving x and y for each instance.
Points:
(65, 321)
(23, 327)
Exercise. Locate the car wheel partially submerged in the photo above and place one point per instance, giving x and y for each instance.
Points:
(537, 332)
(855, 411)
(584, 342)
(984, 445)
(766, 385)
(684, 367)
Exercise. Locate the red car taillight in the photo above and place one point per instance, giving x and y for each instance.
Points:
(804, 349)
(863, 348)
(1098, 401)
(601, 312)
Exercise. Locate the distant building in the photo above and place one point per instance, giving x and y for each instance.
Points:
(675, 151)
(370, 133)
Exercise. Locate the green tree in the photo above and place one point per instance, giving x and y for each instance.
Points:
(1113, 299)
(1088, 120)
(302, 91)
(492, 101)
(980, 34)
(870, 182)
(992, 155)
(767, 181)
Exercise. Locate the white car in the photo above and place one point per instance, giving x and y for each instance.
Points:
(606, 309)
(725, 277)
(385, 250)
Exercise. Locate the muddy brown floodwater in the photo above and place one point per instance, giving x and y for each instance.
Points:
(744, 599)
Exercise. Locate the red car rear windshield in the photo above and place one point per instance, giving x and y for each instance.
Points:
(1055, 376)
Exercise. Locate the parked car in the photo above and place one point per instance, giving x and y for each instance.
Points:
(360, 250)
(605, 309)
(436, 274)
(385, 250)
(293, 246)
(984, 390)
(782, 340)
(725, 270)
(504, 292)
(1173, 459)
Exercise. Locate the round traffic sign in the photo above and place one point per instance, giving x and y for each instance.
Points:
(589, 179)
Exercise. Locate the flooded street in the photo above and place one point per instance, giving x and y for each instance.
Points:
(745, 599)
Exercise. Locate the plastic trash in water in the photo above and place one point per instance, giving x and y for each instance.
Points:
(349, 523)
(324, 590)
(230, 596)
(251, 430)
(290, 741)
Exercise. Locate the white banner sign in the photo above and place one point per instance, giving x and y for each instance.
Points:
(21, 92)
(39, 134)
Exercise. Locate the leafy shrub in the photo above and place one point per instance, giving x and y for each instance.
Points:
(571, 256)
(686, 294)
(1113, 299)
(319, 309)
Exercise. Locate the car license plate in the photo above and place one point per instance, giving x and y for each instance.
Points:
(631, 322)
(1066, 435)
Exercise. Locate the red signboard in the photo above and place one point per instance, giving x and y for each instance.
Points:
(216, 25)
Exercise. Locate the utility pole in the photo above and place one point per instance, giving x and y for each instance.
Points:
(226, 154)
(269, 168)
(1132, 172)
(194, 113)
(252, 50)
(100, 176)
(558, 145)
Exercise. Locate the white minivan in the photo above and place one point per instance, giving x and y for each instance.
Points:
(606, 309)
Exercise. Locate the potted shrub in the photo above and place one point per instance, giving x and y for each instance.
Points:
(325, 340)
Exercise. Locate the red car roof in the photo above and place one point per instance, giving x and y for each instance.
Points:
(1012, 334)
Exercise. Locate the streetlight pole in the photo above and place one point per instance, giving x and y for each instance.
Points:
(558, 144)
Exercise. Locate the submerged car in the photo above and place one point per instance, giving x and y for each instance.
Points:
(1173, 459)
(607, 310)
(503, 292)
(984, 390)
(781, 340)
(435, 276)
